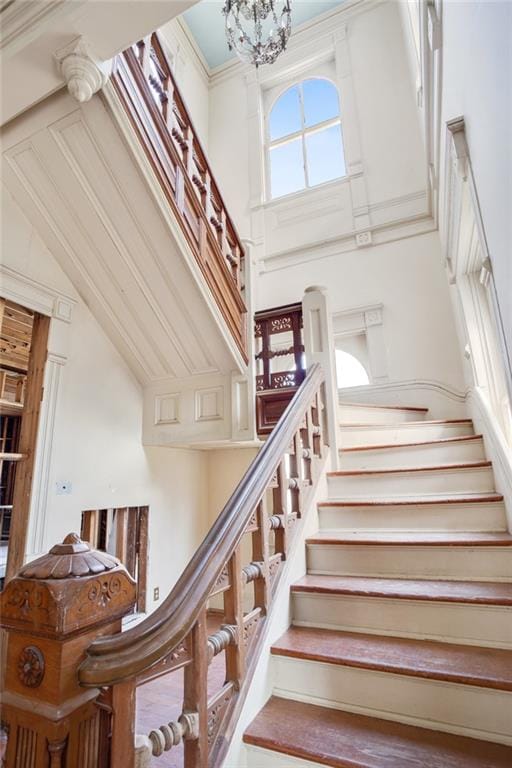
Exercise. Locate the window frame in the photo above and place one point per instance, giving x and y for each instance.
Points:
(302, 134)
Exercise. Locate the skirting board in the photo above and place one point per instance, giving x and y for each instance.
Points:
(443, 401)
(496, 447)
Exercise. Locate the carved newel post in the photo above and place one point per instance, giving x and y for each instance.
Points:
(51, 611)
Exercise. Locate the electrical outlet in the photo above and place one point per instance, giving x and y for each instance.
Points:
(156, 593)
(63, 487)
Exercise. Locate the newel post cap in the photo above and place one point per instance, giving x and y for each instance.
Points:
(71, 588)
(316, 289)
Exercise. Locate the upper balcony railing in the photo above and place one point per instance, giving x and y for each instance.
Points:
(143, 80)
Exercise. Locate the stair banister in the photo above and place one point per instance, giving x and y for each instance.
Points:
(288, 465)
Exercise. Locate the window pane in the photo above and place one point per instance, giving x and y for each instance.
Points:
(285, 117)
(287, 168)
(324, 151)
(320, 101)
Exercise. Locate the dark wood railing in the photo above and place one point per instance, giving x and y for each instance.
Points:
(280, 363)
(144, 82)
(267, 504)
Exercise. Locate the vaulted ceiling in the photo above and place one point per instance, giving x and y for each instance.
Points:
(206, 23)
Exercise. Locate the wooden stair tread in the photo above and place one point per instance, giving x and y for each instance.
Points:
(415, 539)
(465, 664)
(344, 404)
(477, 592)
(475, 498)
(385, 446)
(400, 424)
(345, 740)
(424, 468)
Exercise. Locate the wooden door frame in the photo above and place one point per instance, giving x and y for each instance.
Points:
(27, 446)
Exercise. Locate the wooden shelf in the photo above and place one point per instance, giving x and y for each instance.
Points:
(10, 408)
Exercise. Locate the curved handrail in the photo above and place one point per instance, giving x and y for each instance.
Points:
(121, 657)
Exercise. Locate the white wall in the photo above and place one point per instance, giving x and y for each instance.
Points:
(408, 278)
(97, 437)
(477, 85)
(382, 138)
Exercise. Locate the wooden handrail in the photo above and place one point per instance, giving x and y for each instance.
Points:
(122, 657)
(143, 80)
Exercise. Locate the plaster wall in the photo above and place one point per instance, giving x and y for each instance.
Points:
(477, 83)
(96, 444)
(408, 279)
(379, 119)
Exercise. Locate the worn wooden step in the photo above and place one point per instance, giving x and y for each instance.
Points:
(408, 432)
(457, 688)
(431, 481)
(479, 512)
(475, 613)
(322, 736)
(379, 414)
(471, 556)
(484, 667)
(449, 450)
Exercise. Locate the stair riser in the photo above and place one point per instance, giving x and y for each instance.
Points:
(429, 562)
(470, 624)
(361, 415)
(431, 455)
(441, 517)
(410, 484)
(265, 758)
(374, 435)
(465, 709)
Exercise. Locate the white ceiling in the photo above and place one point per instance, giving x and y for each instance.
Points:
(206, 23)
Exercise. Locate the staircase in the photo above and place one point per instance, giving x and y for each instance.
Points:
(400, 650)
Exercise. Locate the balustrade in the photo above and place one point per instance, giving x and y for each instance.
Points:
(280, 363)
(67, 696)
(144, 82)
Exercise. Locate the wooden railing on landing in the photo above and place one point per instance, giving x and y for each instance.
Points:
(267, 504)
(280, 362)
(143, 80)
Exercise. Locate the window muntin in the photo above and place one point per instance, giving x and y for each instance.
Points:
(305, 144)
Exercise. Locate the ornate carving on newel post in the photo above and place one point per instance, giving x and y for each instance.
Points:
(83, 73)
(51, 611)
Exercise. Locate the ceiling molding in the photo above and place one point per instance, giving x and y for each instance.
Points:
(23, 20)
(322, 24)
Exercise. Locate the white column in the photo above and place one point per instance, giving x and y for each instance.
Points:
(243, 386)
(319, 348)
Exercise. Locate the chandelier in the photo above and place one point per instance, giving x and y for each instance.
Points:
(257, 30)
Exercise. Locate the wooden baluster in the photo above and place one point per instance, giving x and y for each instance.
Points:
(280, 507)
(265, 351)
(260, 554)
(123, 724)
(3, 377)
(296, 475)
(180, 190)
(195, 699)
(146, 55)
(234, 616)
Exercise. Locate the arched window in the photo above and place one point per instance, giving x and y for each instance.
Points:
(305, 145)
(349, 371)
